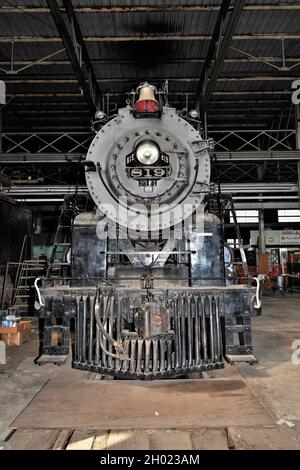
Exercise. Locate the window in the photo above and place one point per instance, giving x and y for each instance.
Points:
(245, 216)
(233, 242)
(288, 215)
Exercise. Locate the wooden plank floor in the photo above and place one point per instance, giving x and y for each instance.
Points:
(128, 439)
(165, 404)
(114, 415)
(238, 438)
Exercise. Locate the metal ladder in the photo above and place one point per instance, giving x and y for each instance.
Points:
(239, 237)
(23, 296)
(237, 328)
(58, 265)
(218, 206)
(24, 272)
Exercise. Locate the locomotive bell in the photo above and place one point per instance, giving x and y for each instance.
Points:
(147, 102)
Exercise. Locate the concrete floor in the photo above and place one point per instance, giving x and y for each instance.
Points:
(274, 380)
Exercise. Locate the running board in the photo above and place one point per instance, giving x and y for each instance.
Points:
(52, 359)
(232, 358)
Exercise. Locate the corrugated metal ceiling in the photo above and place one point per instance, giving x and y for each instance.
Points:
(121, 65)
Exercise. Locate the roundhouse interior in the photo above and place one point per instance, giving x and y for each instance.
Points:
(162, 344)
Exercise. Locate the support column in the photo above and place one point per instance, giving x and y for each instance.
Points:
(2, 102)
(261, 228)
(298, 179)
(0, 130)
(297, 125)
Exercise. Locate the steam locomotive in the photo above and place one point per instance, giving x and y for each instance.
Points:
(148, 296)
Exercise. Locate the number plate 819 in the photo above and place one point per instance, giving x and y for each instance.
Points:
(147, 172)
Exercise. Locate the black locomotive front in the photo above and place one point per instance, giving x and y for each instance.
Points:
(148, 295)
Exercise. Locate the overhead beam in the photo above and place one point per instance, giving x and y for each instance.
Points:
(89, 88)
(273, 204)
(222, 36)
(68, 105)
(79, 117)
(175, 93)
(220, 104)
(54, 127)
(63, 108)
(78, 127)
(166, 61)
(252, 92)
(7, 158)
(254, 188)
(258, 156)
(149, 37)
(255, 78)
(150, 8)
(92, 80)
(234, 188)
(212, 51)
(225, 102)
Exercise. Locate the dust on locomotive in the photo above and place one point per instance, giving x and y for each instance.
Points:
(148, 295)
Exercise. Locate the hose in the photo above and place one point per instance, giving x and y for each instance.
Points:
(257, 300)
(116, 344)
(41, 300)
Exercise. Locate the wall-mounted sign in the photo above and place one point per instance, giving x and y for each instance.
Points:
(289, 237)
(277, 237)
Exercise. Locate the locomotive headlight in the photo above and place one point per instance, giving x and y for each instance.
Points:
(147, 152)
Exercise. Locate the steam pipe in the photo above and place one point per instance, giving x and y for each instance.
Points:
(116, 344)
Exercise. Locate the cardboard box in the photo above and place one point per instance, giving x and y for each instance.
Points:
(16, 334)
